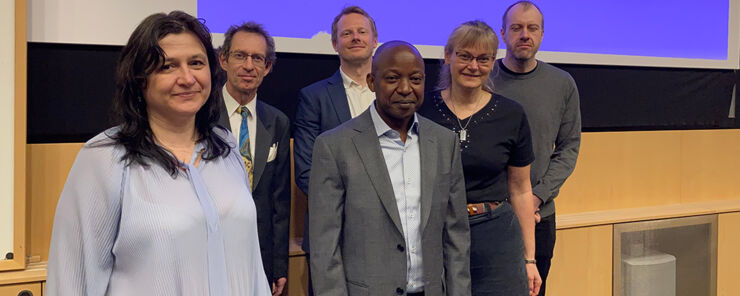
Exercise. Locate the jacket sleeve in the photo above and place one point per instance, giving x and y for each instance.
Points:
(307, 128)
(281, 203)
(326, 205)
(456, 232)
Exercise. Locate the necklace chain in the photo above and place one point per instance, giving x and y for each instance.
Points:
(464, 129)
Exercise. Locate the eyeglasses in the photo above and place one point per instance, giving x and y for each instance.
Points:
(241, 57)
(468, 58)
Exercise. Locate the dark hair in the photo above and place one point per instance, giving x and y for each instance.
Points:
(250, 27)
(349, 10)
(141, 56)
(467, 34)
(526, 5)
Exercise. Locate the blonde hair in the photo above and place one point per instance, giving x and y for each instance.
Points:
(351, 10)
(468, 34)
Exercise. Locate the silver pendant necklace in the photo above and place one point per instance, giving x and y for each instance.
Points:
(463, 129)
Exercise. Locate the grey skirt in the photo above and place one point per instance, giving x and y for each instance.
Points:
(497, 254)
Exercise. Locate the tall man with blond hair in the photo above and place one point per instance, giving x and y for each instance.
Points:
(329, 102)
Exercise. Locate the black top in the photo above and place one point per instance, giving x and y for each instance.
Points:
(497, 137)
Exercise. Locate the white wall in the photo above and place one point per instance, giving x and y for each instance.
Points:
(106, 22)
(7, 98)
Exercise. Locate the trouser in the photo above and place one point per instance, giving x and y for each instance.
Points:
(544, 234)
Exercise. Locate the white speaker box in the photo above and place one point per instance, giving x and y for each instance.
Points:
(653, 274)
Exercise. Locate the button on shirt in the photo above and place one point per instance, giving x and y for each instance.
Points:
(235, 118)
(403, 161)
(359, 97)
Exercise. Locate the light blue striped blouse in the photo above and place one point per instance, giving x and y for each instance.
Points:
(131, 230)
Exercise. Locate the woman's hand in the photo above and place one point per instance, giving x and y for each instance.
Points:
(534, 279)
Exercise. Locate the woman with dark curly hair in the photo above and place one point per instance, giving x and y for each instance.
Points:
(160, 204)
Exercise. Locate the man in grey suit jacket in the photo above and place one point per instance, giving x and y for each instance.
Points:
(387, 194)
(247, 57)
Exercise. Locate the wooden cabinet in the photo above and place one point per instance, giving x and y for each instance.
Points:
(27, 289)
(583, 262)
(728, 258)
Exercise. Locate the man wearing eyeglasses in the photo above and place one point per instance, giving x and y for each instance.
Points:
(550, 99)
(263, 136)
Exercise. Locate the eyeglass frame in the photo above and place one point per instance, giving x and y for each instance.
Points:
(255, 58)
(468, 58)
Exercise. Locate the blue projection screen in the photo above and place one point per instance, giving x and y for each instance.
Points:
(615, 32)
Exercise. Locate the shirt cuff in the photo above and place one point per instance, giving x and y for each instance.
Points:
(542, 192)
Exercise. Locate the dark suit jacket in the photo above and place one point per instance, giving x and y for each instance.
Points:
(321, 107)
(358, 245)
(271, 191)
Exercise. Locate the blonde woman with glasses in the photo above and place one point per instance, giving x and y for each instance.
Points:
(496, 150)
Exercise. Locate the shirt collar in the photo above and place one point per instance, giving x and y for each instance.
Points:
(232, 106)
(381, 128)
(508, 71)
(347, 81)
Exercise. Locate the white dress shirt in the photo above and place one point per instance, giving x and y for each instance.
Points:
(235, 118)
(359, 97)
(403, 161)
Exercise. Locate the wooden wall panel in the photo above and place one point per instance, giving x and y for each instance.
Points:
(297, 265)
(48, 166)
(728, 258)
(618, 170)
(710, 165)
(298, 206)
(623, 170)
(297, 276)
(583, 262)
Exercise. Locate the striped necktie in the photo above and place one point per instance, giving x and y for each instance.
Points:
(244, 148)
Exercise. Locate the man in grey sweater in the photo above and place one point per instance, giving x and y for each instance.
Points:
(550, 99)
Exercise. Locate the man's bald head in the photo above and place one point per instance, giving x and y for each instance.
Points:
(392, 46)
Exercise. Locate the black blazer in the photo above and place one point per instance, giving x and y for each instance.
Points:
(271, 191)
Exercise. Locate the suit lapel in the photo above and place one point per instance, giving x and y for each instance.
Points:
(264, 141)
(339, 97)
(428, 151)
(223, 118)
(368, 146)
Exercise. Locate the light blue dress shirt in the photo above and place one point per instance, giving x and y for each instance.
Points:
(134, 230)
(403, 161)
